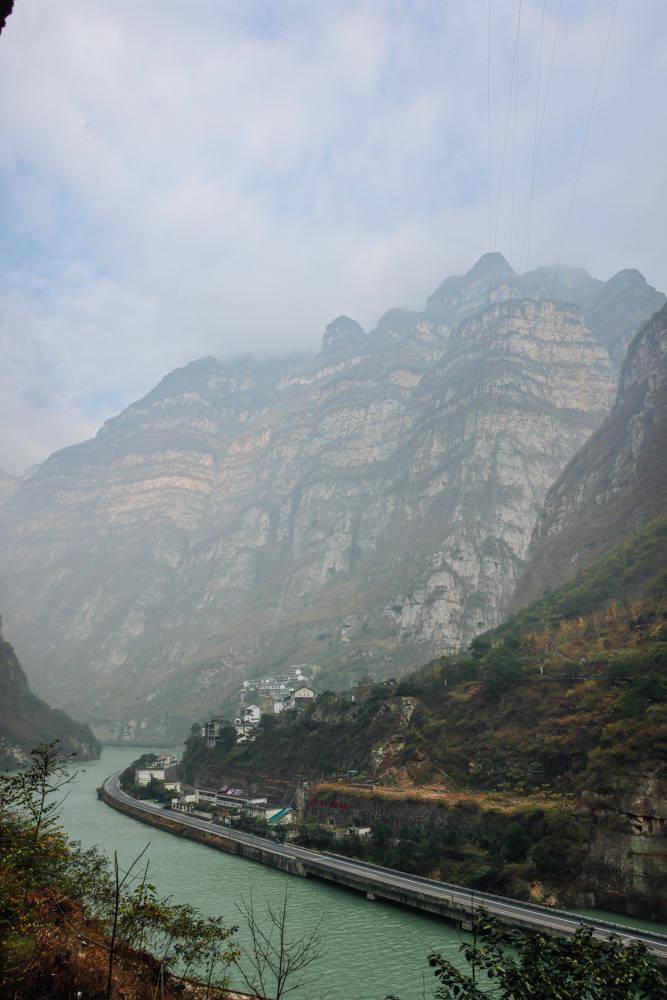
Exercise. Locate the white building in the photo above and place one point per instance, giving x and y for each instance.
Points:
(252, 714)
(143, 775)
(276, 683)
(299, 697)
(222, 798)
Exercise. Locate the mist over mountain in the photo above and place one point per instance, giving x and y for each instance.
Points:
(360, 510)
(26, 721)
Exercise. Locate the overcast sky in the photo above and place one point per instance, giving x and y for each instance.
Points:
(209, 177)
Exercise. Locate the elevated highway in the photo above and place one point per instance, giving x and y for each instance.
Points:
(453, 902)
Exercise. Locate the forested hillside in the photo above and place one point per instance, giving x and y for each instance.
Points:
(26, 721)
(561, 713)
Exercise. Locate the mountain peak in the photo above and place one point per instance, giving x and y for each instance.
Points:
(628, 277)
(343, 332)
(493, 262)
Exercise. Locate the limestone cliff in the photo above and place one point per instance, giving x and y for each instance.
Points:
(361, 510)
(617, 482)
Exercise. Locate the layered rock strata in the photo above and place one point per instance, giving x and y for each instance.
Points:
(617, 482)
(361, 510)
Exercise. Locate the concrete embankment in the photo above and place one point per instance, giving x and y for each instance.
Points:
(265, 856)
(453, 902)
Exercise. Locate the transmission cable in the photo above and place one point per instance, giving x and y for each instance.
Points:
(524, 255)
(507, 122)
(584, 144)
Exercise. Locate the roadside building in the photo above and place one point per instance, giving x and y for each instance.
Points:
(227, 797)
(143, 775)
(279, 815)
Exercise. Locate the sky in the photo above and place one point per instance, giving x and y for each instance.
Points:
(224, 178)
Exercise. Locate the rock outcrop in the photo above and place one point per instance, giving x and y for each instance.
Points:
(617, 482)
(361, 510)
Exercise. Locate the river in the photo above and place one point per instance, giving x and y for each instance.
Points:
(372, 949)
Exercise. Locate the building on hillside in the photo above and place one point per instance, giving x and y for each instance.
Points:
(298, 697)
(163, 760)
(252, 714)
(276, 682)
(212, 732)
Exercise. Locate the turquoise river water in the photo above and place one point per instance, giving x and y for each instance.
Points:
(372, 949)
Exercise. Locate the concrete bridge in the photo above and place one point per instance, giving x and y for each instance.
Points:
(454, 902)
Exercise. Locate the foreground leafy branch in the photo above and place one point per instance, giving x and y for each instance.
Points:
(57, 900)
(512, 965)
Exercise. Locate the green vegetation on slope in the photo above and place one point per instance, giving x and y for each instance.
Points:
(547, 702)
(71, 925)
(26, 720)
(506, 766)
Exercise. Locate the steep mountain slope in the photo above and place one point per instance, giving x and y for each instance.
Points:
(360, 509)
(26, 721)
(556, 721)
(607, 628)
(617, 481)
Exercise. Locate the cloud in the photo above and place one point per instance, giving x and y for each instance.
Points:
(180, 180)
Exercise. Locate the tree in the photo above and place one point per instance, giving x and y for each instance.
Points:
(34, 792)
(513, 965)
(115, 912)
(274, 963)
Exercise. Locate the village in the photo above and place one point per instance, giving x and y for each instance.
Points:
(271, 695)
(158, 776)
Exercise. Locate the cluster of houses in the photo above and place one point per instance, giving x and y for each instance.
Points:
(227, 802)
(272, 695)
(279, 692)
(162, 767)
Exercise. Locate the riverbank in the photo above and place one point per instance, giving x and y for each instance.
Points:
(453, 902)
(371, 949)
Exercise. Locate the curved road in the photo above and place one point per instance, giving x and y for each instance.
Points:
(519, 913)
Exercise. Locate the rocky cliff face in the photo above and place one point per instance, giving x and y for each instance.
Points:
(617, 482)
(359, 510)
(26, 721)
(626, 864)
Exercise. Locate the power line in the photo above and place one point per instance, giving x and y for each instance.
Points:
(583, 145)
(524, 249)
(507, 122)
(488, 121)
(514, 130)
